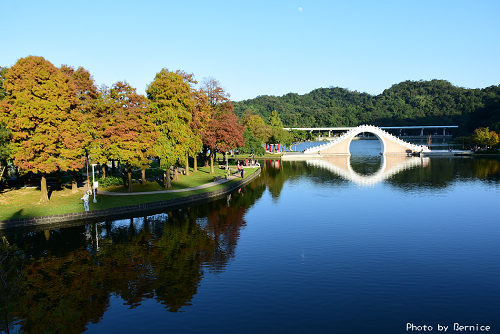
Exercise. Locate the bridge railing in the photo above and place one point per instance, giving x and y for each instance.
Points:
(368, 128)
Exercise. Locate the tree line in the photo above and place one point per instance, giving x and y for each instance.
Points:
(435, 102)
(54, 119)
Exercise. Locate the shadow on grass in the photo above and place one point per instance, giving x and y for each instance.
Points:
(16, 215)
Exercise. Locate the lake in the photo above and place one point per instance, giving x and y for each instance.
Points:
(368, 244)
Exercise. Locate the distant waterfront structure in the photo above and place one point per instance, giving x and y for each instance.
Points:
(414, 131)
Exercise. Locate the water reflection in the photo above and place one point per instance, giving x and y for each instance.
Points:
(389, 166)
(60, 280)
(443, 172)
(63, 279)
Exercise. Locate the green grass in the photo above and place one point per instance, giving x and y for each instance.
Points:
(24, 202)
(202, 176)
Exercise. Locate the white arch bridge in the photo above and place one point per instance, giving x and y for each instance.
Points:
(390, 144)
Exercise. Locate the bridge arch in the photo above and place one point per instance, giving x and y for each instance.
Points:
(390, 143)
(391, 165)
(377, 135)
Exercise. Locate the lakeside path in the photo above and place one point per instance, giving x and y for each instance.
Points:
(113, 207)
(203, 186)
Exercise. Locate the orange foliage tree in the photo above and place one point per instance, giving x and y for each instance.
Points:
(129, 133)
(40, 109)
(223, 131)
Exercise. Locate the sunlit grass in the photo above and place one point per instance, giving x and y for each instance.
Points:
(202, 176)
(25, 202)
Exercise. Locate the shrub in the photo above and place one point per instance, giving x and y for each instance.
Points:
(110, 181)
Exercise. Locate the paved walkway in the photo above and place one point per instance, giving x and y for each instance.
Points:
(203, 186)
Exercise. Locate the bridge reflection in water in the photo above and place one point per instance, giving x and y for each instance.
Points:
(391, 165)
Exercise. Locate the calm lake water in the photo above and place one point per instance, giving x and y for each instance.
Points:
(359, 245)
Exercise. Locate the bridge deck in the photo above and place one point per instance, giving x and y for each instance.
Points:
(344, 128)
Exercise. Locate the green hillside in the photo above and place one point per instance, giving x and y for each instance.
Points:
(435, 102)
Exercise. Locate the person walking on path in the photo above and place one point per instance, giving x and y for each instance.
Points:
(85, 199)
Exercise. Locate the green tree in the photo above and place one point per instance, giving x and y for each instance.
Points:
(278, 134)
(130, 133)
(40, 110)
(3, 74)
(201, 116)
(86, 103)
(485, 137)
(252, 144)
(171, 105)
(256, 133)
(4, 149)
(407, 103)
(254, 122)
(5, 135)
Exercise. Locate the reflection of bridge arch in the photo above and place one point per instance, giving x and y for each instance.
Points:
(390, 144)
(390, 166)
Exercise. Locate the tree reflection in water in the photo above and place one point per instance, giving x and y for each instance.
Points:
(71, 273)
(60, 280)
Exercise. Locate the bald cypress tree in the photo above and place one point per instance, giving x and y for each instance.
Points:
(130, 134)
(40, 109)
(171, 104)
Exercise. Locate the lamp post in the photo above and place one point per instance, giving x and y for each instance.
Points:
(94, 184)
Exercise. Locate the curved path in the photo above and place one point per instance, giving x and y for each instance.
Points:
(77, 218)
(203, 186)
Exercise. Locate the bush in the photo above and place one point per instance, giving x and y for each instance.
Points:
(110, 181)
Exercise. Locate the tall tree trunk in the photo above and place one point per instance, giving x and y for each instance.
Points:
(74, 182)
(88, 177)
(167, 179)
(187, 164)
(58, 179)
(2, 170)
(205, 157)
(195, 163)
(176, 175)
(44, 198)
(113, 167)
(211, 163)
(143, 176)
(103, 169)
(129, 177)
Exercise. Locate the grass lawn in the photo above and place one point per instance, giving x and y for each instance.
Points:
(202, 176)
(24, 202)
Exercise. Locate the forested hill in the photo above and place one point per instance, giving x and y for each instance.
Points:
(435, 102)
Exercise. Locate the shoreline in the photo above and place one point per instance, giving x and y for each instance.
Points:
(77, 218)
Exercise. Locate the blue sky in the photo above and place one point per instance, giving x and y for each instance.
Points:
(263, 47)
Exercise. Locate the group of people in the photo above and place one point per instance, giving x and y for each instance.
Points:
(239, 167)
(239, 170)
